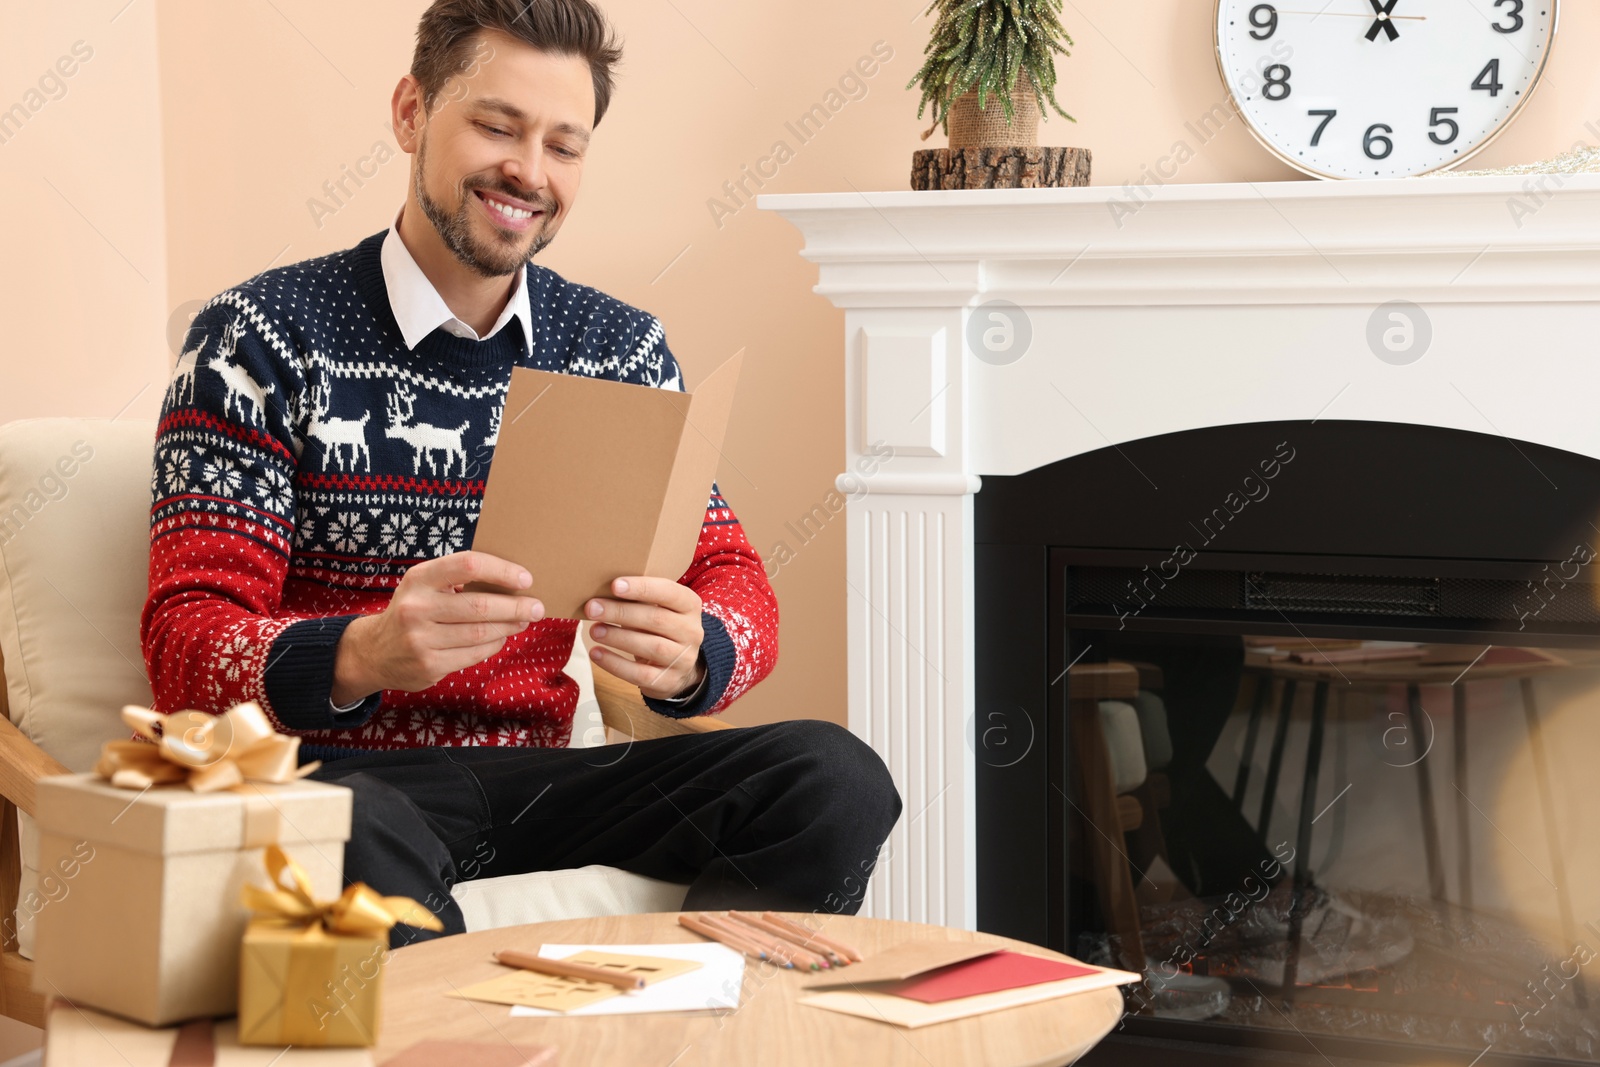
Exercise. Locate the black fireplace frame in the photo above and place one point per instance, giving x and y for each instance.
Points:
(1407, 501)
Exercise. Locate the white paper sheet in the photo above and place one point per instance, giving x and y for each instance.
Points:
(713, 986)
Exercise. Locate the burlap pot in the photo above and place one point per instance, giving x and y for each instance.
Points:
(987, 128)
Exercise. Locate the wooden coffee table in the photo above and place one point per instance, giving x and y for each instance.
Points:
(770, 1027)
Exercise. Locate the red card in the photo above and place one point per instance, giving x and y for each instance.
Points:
(986, 974)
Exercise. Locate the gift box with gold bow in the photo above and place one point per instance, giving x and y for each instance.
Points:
(161, 840)
(311, 972)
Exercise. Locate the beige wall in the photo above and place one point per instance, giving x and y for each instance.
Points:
(198, 133)
(84, 274)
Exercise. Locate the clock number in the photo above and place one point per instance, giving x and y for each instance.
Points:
(1438, 119)
(1276, 81)
(1327, 117)
(1515, 15)
(1270, 23)
(1489, 78)
(1373, 137)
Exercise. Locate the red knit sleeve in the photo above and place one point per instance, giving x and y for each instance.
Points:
(739, 609)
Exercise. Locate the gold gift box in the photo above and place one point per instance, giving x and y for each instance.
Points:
(301, 985)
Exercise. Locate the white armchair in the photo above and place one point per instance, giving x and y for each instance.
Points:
(74, 553)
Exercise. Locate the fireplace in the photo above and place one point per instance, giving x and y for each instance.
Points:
(1251, 435)
(1351, 829)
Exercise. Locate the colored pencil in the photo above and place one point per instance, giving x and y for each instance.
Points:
(738, 944)
(781, 951)
(806, 938)
(527, 961)
(807, 943)
(742, 945)
(826, 942)
(797, 952)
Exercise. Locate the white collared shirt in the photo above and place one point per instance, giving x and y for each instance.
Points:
(419, 309)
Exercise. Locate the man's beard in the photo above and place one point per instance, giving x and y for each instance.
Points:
(492, 260)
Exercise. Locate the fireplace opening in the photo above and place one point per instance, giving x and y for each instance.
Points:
(1317, 770)
(1346, 837)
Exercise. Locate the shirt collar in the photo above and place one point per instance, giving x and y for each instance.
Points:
(419, 309)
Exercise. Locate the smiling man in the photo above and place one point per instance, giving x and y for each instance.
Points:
(308, 533)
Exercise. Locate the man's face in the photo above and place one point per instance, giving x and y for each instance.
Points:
(507, 136)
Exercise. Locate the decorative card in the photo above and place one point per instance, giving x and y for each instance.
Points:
(556, 993)
(986, 974)
(594, 479)
(650, 968)
(715, 986)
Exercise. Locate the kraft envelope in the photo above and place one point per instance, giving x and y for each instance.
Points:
(594, 480)
(902, 961)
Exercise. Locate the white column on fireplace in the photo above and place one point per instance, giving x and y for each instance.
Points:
(1151, 312)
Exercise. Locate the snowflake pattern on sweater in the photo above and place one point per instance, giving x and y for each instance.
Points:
(305, 458)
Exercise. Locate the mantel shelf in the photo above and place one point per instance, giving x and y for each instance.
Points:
(1434, 239)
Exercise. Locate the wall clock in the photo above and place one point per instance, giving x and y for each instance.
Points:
(1381, 88)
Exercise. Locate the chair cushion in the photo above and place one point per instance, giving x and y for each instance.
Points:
(29, 899)
(1153, 725)
(74, 563)
(545, 896)
(1120, 724)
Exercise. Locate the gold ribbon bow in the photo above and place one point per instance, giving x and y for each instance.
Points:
(206, 752)
(359, 912)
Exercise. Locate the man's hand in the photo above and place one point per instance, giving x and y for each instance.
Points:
(657, 622)
(431, 628)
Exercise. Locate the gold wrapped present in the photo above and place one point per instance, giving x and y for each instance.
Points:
(311, 973)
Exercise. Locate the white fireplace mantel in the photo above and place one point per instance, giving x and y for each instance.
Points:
(1150, 311)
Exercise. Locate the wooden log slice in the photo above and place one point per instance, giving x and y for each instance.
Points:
(999, 168)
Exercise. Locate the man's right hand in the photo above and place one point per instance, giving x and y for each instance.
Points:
(432, 628)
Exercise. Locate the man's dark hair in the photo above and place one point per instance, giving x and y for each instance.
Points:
(450, 31)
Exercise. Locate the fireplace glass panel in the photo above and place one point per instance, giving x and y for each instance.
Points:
(1341, 837)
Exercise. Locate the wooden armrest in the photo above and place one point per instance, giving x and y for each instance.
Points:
(1103, 681)
(1130, 813)
(622, 708)
(17, 997)
(1150, 676)
(22, 764)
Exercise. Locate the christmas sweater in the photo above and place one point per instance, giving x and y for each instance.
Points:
(305, 458)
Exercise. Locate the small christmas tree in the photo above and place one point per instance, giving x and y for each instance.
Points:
(986, 44)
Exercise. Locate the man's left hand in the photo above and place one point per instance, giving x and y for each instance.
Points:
(657, 622)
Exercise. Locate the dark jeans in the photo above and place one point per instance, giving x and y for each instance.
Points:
(788, 816)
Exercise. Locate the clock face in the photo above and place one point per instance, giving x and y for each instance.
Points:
(1381, 88)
